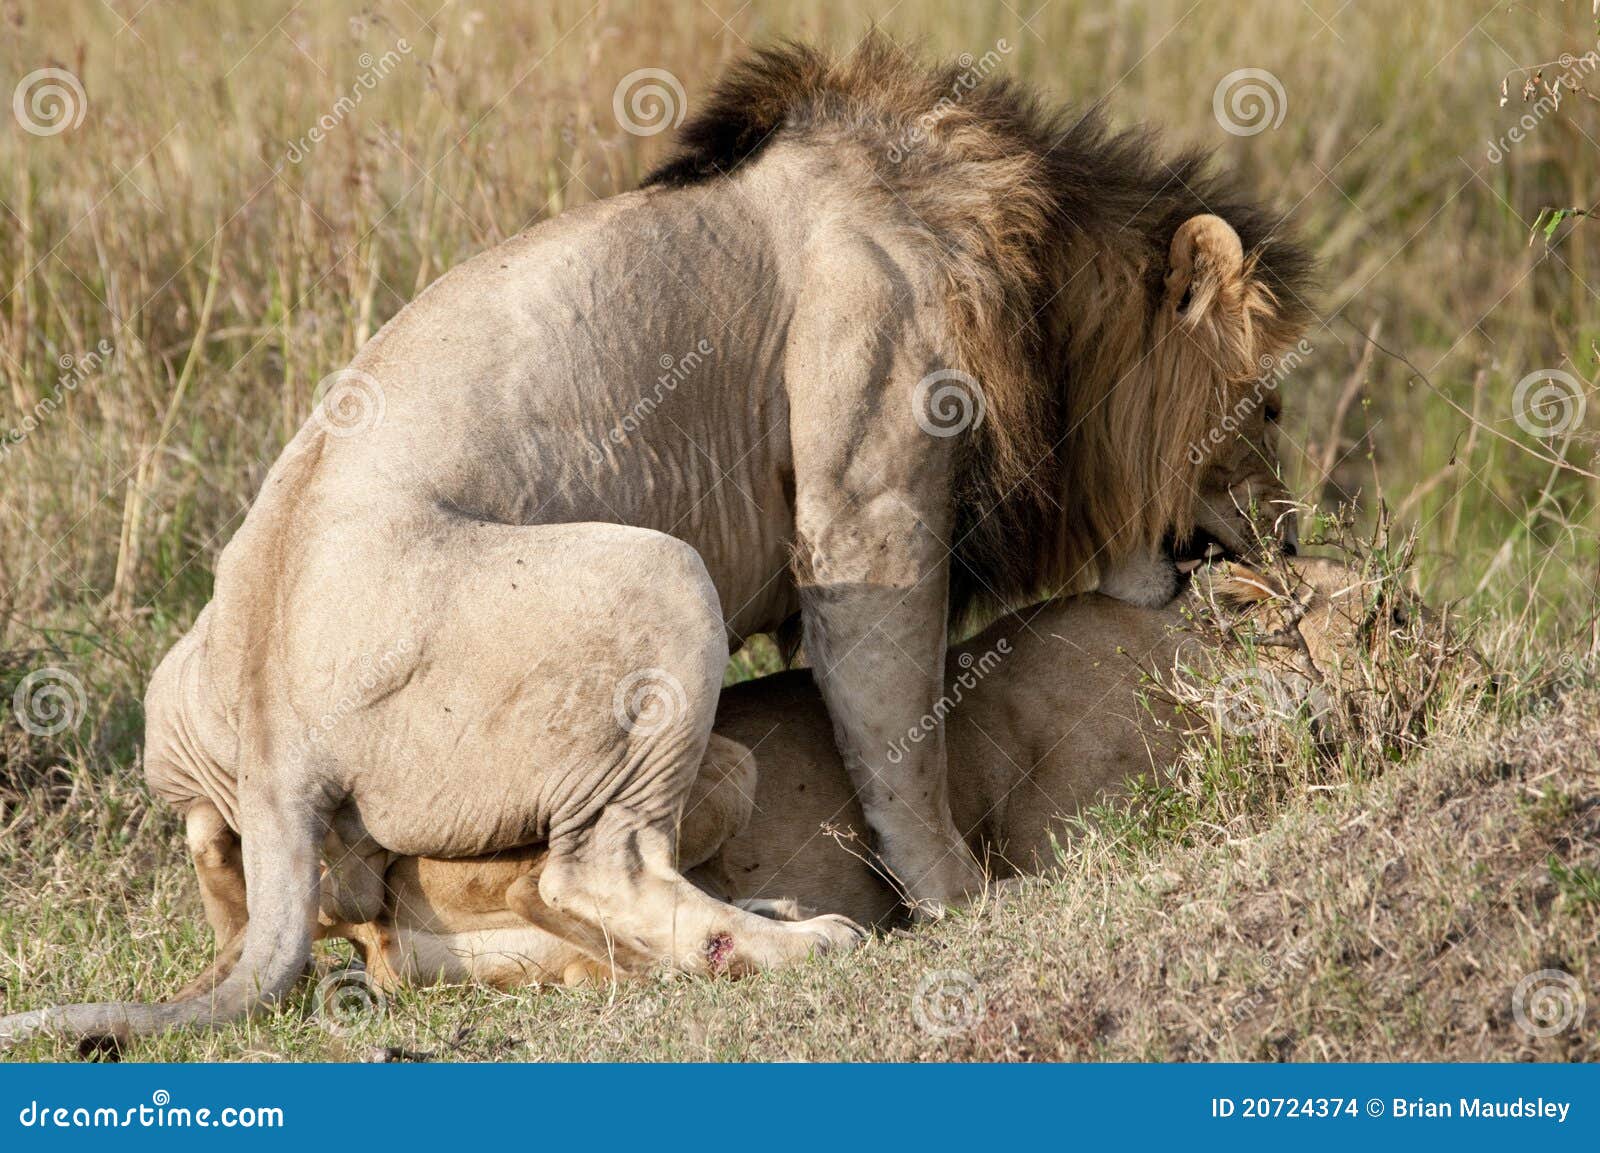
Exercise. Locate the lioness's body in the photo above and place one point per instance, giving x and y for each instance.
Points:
(1048, 713)
(1050, 710)
(1044, 729)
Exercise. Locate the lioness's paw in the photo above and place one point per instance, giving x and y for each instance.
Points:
(834, 933)
(781, 909)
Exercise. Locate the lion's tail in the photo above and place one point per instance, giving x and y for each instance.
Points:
(281, 869)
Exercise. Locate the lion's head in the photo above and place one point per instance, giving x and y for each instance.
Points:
(1230, 332)
(1112, 300)
(1203, 387)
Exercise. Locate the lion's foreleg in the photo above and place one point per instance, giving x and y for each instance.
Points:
(873, 515)
(873, 653)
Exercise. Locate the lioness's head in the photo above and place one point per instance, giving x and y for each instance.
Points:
(1307, 619)
(1349, 648)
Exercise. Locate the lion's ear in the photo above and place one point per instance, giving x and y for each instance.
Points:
(1206, 254)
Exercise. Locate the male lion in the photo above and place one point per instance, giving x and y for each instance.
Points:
(1051, 710)
(446, 905)
(485, 597)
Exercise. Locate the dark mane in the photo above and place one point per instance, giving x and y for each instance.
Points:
(1025, 199)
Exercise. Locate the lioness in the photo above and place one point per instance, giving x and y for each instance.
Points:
(485, 596)
(1050, 709)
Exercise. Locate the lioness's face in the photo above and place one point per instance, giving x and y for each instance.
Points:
(1228, 335)
(1313, 618)
(1314, 602)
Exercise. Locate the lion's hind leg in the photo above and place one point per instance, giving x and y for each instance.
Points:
(218, 860)
(615, 852)
(717, 809)
(620, 875)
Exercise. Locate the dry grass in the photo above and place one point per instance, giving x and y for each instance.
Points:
(1390, 916)
(226, 281)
